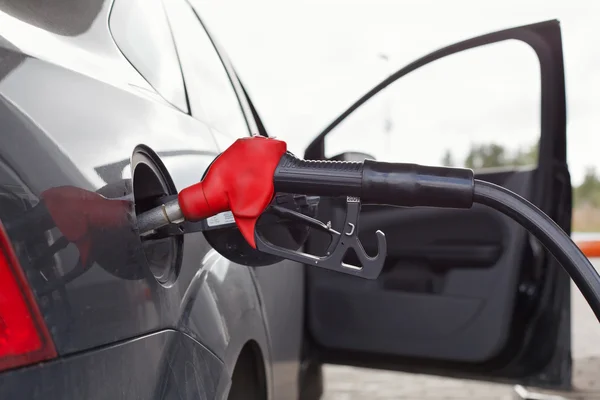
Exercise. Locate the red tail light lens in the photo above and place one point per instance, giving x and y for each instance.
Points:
(24, 338)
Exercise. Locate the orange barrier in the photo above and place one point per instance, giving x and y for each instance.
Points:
(591, 248)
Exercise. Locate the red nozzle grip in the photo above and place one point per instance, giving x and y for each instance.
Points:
(240, 180)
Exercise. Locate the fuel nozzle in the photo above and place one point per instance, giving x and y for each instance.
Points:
(243, 181)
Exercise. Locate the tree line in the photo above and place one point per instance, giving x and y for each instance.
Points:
(494, 155)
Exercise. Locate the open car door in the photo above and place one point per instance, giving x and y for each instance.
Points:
(464, 293)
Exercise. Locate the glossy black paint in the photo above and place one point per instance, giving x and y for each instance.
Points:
(73, 109)
(56, 16)
(162, 365)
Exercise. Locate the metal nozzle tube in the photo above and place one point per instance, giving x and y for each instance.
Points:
(165, 214)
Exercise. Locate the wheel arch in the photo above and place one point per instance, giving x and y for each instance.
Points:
(249, 377)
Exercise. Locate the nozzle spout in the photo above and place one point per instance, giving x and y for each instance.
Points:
(157, 217)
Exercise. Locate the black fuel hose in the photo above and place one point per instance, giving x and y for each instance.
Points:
(413, 185)
(377, 182)
(558, 243)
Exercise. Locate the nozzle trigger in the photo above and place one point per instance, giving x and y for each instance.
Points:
(341, 242)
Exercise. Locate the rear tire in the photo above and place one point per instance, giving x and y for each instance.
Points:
(248, 381)
(311, 384)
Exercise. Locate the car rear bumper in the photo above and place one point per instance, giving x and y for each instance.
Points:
(166, 364)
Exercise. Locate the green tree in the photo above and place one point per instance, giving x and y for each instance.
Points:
(527, 156)
(586, 197)
(495, 155)
(589, 190)
(491, 155)
(448, 160)
(486, 156)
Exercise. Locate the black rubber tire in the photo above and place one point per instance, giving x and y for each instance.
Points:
(248, 379)
(311, 385)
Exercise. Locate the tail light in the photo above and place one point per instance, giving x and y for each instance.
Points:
(24, 338)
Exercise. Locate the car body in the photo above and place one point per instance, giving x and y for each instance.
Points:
(122, 98)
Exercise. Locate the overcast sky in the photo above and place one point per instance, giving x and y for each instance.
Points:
(304, 62)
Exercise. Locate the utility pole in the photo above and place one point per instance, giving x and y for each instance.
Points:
(387, 117)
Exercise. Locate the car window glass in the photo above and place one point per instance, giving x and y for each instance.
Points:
(479, 108)
(141, 31)
(209, 88)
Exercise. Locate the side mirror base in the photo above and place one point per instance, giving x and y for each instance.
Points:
(352, 156)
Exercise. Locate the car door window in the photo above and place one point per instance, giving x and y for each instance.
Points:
(208, 85)
(141, 31)
(457, 284)
(478, 109)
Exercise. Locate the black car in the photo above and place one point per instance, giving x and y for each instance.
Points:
(107, 104)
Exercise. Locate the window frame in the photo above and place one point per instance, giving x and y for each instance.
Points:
(184, 106)
(228, 69)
